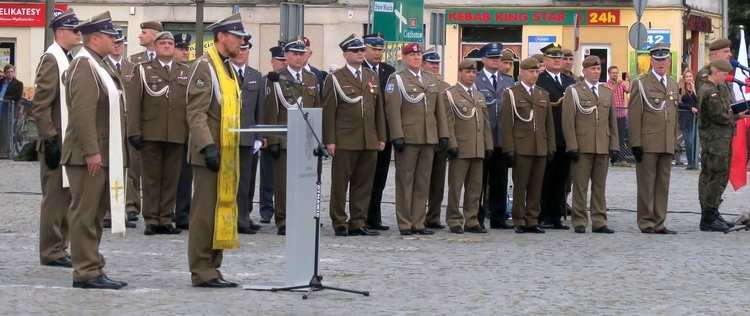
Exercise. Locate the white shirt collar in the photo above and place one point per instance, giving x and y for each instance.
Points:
(237, 68)
(115, 62)
(658, 78)
(373, 67)
(294, 73)
(525, 86)
(354, 70)
(307, 67)
(417, 74)
(168, 64)
(489, 74)
(555, 75)
(592, 85)
(465, 88)
(149, 52)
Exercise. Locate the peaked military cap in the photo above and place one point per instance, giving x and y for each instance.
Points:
(231, 24)
(491, 50)
(351, 43)
(101, 22)
(182, 40)
(277, 52)
(374, 40)
(66, 19)
(552, 50)
(431, 55)
(659, 51)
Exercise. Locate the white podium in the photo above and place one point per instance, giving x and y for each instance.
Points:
(300, 246)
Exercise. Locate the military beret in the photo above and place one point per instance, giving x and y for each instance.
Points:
(351, 43)
(720, 43)
(305, 40)
(66, 19)
(182, 40)
(538, 57)
(591, 60)
(163, 36)
(101, 22)
(231, 24)
(506, 55)
(529, 63)
(153, 25)
(659, 50)
(567, 52)
(491, 50)
(721, 64)
(411, 48)
(467, 64)
(552, 50)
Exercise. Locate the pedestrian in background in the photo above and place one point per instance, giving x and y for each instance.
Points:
(688, 108)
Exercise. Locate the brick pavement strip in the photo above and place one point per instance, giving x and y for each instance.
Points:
(497, 273)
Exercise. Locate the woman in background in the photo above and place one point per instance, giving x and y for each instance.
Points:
(688, 107)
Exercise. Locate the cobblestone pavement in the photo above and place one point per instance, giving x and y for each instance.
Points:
(496, 273)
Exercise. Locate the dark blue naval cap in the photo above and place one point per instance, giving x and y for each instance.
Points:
(277, 52)
(491, 50)
(375, 40)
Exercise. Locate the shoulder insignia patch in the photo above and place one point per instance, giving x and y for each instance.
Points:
(389, 88)
(200, 83)
(714, 95)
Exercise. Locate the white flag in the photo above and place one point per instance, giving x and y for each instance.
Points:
(738, 73)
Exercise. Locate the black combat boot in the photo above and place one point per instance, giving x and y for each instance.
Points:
(729, 224)
(710, 221)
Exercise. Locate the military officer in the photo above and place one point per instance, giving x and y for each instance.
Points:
(253, 96)
(431, 63)
(717, 126)
(185, 184)
(417, 115)
(567, 63)
(157, 128)
(470, 142)
(208, 142)
(529, 143)
(353, 131)
(48, 108)
(265, 199)
(652, 126)
(491, 81)
(146, 39)
(557, 173)
(719, 48)
(374, 47)
(182, 47)
(94, 162)
(590, 129)
(281, 97)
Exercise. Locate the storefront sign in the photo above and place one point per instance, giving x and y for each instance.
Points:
(655, 37)
(532, 17)
(537, 42)
(699, 23)
(25, 14)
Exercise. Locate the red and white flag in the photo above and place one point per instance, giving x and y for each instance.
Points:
(738, 170)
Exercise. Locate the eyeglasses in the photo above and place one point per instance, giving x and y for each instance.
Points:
(75, 31)
(358, 50)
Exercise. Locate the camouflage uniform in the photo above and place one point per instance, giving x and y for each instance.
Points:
(725, 88)
(717, 126)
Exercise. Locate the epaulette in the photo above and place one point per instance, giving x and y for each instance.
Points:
(605, 87)
(369, 69)
(507, 75)
(304, 69)
(179, 63)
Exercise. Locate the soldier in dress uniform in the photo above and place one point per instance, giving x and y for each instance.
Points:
(182, 47)
(567, 63)
(590, 129)
(374, 47)
(353, 131)
(94, 163)
(47, 110)
(281, 97)
(415, 109)
(146, 39)
(717, 126)
(185, 184)
(157, 127)
(652, 126)
(528, 143)
(253, 96)
(491, 81)
(540, 59)
(431, 63)
(470, 143)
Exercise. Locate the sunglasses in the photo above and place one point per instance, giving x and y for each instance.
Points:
(358, 50)
(75, 31)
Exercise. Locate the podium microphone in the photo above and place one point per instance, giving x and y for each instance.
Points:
(731, 78)
(275, 77)
(737, 64)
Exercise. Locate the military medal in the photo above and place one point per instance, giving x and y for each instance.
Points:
(370, 84)
(671, 96)
(464, 109)
(153, 87)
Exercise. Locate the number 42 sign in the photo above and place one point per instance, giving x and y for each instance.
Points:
(655, 37)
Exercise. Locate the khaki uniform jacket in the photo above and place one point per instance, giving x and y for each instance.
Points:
(161, 118)
(46, 105)
(472, 136)
(416, 123)
(353, 126)
(139, 57)
(521, 137)
(653, 131)
(276, 113)
(88, 111)
(582, 131)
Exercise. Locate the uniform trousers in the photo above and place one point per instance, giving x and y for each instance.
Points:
(279, 189)
(497, 189)
(528, 175)
(555, 183)
(53, 217)
(378, 184)
(437, 187)
(184, 193)
(160, 173)
(204, 261)
(352, 169)
(590, 167)
(413, 166)
(652, 177)
(89, 203)
(246, 188)
(714, 174)
(464, 173)
(266, 184)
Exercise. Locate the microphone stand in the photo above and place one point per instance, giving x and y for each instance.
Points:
(316, 282)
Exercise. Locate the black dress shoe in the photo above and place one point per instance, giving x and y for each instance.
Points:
(520, 229)
(558, 224)
(281, 231)
(423, 232)
(231, 284)
(167, 230)
(405, 232)
(362, 232)
(99, 282)
(265, 220)
(130, 224)
(435, 225)
(546, 224)
(665, 231)
(476, 229)
(121, 282)
(216, 283)
(107, 223)
(150, 230)
(132, 216)
(501, 225)
(254, 226)
(535, 230)
(246, 230)
(60, 262)
(648, 230)
(341, 231)
(457, 230)
(604, 230)
(183, 226)
(378, 226)
(580, 229)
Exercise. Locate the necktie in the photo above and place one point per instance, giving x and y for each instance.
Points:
(117, 65)
(70, 56)
(471, 93)
(375, 68)
(663, 82)
(357, 74)
(531, 91)
(241, 75)
(151, 56)
(596, 93)
(557, 79)
(166, 68)
(299, 78)
(494, 82)
(420, 78)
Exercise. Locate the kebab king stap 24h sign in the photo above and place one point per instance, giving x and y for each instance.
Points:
(25, 14)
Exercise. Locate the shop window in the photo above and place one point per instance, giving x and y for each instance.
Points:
(489, 34)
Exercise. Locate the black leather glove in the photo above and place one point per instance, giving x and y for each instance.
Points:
(613, 156)
(213, 159)
(51, 153)
(275, 151)
(510, 157)
(574, 155)
(550, 156)
(136, 142)
(443, 143)
(637, 153)
(453, 153)
(398, 144)
(488, 154)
